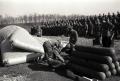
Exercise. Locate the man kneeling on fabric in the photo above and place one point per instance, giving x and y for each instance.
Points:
(52, 53)
(56, 59)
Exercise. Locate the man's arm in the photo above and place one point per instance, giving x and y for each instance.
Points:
(101, 39)
(58, 55)
(76, 36)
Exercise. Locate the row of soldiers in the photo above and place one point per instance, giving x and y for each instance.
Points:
(86, 26)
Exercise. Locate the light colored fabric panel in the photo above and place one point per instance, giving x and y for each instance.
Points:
(22, 39)
(11, 56)
(43, 39)
(7, 31)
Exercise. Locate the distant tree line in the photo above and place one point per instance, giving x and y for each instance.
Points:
(35, 18)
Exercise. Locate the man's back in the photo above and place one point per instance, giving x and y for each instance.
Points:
(73, 36)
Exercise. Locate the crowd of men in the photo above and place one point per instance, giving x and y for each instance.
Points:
(102, 27)
(86, 26)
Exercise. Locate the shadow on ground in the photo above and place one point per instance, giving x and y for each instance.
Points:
(42, 67)
(38, 67)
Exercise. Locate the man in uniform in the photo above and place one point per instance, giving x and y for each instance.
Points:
(73, 35)
(73, 38)
(85, 29)
(52, 53)
(33, 30)
(39, 31)
(106, 37)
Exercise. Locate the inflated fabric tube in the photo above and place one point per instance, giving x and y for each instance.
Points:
(114, 57)
(117, 64)
(90, 64)
(111, 66)
(96, 50)
(7, 31)
(22, 39)
(113, 72)
(12, 56)
(88, 72)
(108, 74)
(118, 70)
(89, 56)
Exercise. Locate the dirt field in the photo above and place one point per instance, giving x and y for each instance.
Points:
(38, 72)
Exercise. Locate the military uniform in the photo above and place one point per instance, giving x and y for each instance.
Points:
(73, 37)
(107, 41)
(72, 40)
(39, 32)
(52, 54)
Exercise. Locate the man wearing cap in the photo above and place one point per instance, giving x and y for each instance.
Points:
(73, 37)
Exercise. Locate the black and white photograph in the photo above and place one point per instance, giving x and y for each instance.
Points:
(59, 40)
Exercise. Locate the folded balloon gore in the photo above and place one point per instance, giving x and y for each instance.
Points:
(18, 46)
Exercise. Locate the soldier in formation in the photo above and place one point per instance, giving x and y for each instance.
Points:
(36, 30)
(86, 26)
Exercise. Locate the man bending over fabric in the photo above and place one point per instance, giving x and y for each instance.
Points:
(52, 53)
(54, 58)
(72, 40)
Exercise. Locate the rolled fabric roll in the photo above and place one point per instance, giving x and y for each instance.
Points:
(113, 72)
(114, 58)
(109, 58)
(112, 66)
(90, 64)
(12, 56)
(89, 56)
(108, 74)
(96, 50)
(118, 70)
(88, 72)
(116, 64)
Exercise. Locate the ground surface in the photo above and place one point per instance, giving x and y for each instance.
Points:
(38, 72)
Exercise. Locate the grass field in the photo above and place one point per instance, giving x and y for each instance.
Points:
(38, 72)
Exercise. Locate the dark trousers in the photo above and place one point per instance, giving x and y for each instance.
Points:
(106, 41)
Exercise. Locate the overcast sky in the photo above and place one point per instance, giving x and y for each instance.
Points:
(67, 7)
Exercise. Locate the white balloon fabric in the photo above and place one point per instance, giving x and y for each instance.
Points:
(12, 56)
(22, 39)
(8, 31)
(43, 39)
